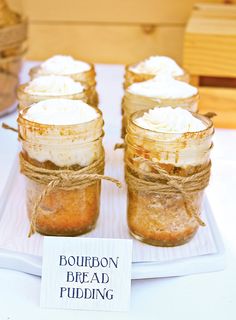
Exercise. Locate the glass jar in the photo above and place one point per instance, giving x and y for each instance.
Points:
(26, 99)
(70, 211)
(133, 102)
(87, 79)
(158, 215)
(132, 77)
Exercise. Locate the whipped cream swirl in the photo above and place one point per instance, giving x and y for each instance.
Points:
(78, 146)
(63, 65)
(163, 87)
(158, 64)
(53, 85)
(170, 120)
(60, 112)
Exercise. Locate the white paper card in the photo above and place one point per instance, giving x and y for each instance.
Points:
(86, 273)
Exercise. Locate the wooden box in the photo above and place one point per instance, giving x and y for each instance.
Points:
(107, 31)
(210, 56)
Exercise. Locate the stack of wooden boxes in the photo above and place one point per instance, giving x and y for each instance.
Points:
(210, 57)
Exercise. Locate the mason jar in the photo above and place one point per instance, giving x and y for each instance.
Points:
(133, 102)
(26, 97)
(158, 213)
(86, 78)
(54, 148)
(132, 77)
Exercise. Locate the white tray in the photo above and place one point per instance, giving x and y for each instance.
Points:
(204, 253)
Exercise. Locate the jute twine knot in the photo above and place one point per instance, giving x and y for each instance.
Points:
(119, 146)
(164, 183)
(7, 127)
(65, 179)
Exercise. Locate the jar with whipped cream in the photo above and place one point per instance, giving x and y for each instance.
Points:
(62, 156)
(50, 87)
(63, 65)
(153, 66)
(160, 91)
(167, 167)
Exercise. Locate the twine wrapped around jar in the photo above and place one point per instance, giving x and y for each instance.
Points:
(63, 166)
(164, 183)
(13, 32)
(166, 174)
(65, 179)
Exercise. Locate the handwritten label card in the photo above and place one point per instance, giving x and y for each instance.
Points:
(83, 273)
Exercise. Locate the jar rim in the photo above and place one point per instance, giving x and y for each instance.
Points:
(56, 126)
(129, 94)
(204, 119)
(133, 65)
(35, 69)
(21, 90)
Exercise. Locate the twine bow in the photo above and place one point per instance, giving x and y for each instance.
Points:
(163, 182)
(63, 178)
(66, 179)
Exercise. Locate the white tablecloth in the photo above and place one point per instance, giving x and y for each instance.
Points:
(203, 296)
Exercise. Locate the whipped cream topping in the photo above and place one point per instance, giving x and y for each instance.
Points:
(170, 120)
(53, 85)
(78, 146)
(163, 87)
(63, 65)
(158, 64)
(166, 139)
(60, 112)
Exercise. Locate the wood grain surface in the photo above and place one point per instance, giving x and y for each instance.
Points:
(110, 11)
(108, 31)
(104, 43)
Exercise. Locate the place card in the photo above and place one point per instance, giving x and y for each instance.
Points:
(86, 273)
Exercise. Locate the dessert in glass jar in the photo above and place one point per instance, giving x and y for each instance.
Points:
(163, 90)
(50, 87)
(167, 163)
(67, 66)
(61, 139)
(153, 66)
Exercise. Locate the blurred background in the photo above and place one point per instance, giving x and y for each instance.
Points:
(199, 36)
(107, 31)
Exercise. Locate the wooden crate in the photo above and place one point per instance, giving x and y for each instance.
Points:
(113, 44)
(210, 56)
(108, 31)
